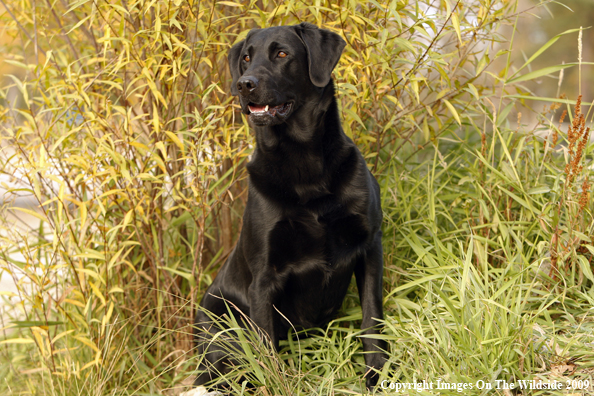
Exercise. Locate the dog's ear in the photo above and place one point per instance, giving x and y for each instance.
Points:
(323, 51)
(233, 58)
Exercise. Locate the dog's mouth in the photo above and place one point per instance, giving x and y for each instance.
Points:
(270, 111)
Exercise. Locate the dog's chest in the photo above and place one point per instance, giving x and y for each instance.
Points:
(308, 239)
(315, 256)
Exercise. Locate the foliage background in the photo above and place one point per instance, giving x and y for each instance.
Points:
(120, 129)
(542, 23)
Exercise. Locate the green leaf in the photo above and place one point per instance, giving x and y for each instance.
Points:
(539, 190)
(34, 323)
(543, 99)
(543, 49)
(504, 113)
(543, 72)
(586, 267)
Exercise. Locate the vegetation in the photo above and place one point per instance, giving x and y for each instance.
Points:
(118, 122)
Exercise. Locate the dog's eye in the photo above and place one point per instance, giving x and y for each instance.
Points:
(246, 58)
(282, 54)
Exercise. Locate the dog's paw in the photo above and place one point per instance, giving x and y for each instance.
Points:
(371, 381)
(201, 391)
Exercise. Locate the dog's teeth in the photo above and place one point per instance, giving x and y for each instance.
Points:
(266, 108)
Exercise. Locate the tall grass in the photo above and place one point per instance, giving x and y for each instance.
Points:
(118, 123)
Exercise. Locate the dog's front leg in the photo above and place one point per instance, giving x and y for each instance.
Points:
(369, 274)
(263, 296)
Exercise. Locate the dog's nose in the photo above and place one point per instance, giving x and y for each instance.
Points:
(245, 85)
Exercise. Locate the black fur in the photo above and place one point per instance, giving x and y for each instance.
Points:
(313, 213)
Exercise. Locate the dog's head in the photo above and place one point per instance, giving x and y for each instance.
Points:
(277, 69)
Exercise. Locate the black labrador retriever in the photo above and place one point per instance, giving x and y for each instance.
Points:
(313, 213)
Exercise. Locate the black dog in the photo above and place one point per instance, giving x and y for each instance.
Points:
(313, 213)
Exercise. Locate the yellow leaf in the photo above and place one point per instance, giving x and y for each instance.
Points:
(74, 302)
(17, 341)
(229, 4)
(157, 23)
(415, 87)
(90, 364)
(87, 342)
(453, 111)
(107, 316)
(97, 292)
(127, 218)
(40, 343)
(175, 140)
(62, 334)
(156, 122)
(31, 212)
(93, 254)
(139, 145)
(456, 24)
(442, 93)
(161, 147)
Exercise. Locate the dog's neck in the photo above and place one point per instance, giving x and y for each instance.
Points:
(305, 127)
(298, 158)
